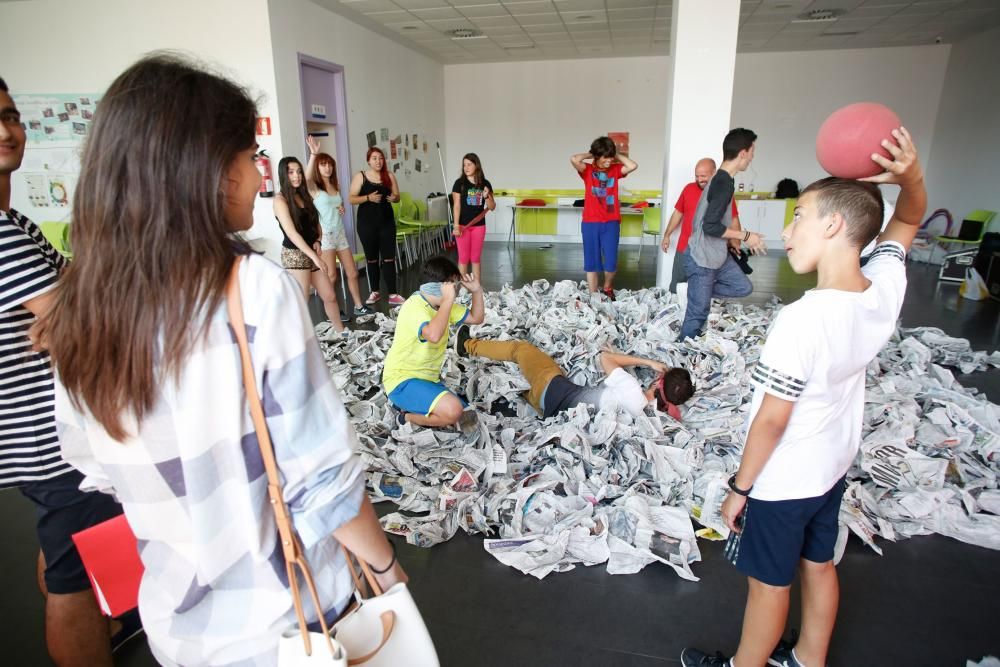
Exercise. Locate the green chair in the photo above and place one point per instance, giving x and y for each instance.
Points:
(650, 225)
(432, 232)
(405, 198)
(970, 236)
(57, 234)
(979, 218)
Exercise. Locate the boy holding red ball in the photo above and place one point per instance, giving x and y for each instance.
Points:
(808, 404)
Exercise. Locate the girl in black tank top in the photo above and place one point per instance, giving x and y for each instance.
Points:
(377, 225)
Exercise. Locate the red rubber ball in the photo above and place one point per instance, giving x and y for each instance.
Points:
(847, 139)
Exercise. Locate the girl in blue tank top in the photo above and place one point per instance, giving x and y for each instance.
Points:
(321, 175)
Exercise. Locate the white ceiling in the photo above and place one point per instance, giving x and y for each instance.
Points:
(546, 29)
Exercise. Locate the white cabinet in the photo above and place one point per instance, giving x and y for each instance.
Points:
(498, 220)
(764, 216)
(568, 219)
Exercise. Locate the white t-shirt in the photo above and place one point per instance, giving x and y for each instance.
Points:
(622, 389)
(816, 355)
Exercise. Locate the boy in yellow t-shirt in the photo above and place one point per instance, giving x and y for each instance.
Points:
(412, 373)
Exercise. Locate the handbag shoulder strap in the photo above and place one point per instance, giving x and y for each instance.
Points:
(290, 545)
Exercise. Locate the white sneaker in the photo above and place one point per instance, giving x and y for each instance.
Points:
(682, 296)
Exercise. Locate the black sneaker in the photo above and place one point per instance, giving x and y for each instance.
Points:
(782, 656)
(362, 310)
(692, 657)
(461, 336)
(344, 317)
(131, 628)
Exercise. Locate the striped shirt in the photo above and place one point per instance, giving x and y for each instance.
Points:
(29, 267)
(193, 487)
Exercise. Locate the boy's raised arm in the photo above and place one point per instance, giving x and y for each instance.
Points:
(906, 171)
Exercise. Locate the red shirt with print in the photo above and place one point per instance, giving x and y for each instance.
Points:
(686, 204)
(600, 193)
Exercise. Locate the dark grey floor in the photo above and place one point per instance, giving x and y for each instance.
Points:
(927, 601)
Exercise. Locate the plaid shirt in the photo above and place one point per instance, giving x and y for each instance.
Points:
(193, 485)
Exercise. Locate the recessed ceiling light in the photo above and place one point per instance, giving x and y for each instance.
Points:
(584, 17)
(820, 15)
(465, 33)
(409, 27)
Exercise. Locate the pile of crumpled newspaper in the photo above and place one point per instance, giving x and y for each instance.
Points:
(593, 488)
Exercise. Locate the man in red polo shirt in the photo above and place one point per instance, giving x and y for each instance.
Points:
(683, 215)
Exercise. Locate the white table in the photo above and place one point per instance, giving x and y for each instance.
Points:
(512, 234)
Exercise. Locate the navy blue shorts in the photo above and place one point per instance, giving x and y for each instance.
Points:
(63, 509)
(600, 246)
(778, 533)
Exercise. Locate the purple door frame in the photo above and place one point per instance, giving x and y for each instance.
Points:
(322, 82)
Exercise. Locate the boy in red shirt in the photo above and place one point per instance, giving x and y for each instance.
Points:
(601, 209)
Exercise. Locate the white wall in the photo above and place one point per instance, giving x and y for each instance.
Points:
(387, 85)
(530, 116)
(963, 174)
(785, 97)
(55, 46)
(525, 119)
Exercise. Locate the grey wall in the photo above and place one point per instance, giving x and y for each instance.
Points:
(963, 173)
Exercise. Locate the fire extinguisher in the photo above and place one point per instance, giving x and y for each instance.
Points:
(263, 163)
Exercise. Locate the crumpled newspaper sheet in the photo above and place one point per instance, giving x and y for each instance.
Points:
(988, 661)
(587, 487)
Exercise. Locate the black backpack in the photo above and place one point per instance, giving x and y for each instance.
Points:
(787, 189)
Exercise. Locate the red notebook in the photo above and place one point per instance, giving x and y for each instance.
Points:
(110, 554)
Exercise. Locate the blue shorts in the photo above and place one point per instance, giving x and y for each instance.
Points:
(600, 246)
(419, 396)
(778, 533)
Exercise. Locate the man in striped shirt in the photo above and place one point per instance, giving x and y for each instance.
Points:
(77, 633)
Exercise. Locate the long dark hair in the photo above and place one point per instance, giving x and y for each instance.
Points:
(151, 241)
(383, 175)
(478, 177)
(306, 217)
(321, 159)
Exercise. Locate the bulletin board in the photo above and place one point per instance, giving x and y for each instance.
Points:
(56, 125)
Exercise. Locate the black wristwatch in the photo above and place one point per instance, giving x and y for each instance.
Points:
(736, 489)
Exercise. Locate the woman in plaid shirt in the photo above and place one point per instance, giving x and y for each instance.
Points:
(150, 401)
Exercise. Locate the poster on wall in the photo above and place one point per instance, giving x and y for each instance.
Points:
(395, 167)
(392, 149)
(406, 154)
(385, 134)
(416, 165)
(425, 147)
(371, 139)
(415, 142)
(56, 116)
(55, 125)
(621, 141)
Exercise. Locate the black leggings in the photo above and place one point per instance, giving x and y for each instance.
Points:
(378, 238)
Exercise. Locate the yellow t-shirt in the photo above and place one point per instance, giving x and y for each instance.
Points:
(411, 355)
